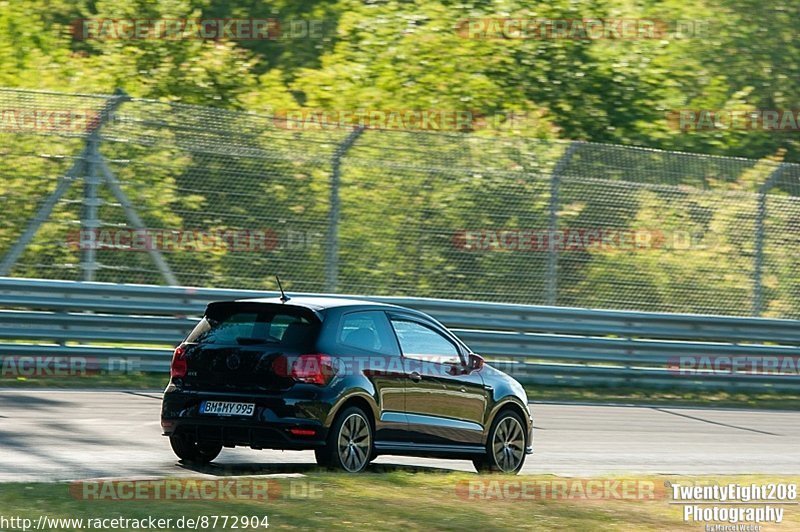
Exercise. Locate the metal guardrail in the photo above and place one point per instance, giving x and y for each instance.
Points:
(544, 345)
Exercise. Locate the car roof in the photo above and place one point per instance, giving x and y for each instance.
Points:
(320, 303)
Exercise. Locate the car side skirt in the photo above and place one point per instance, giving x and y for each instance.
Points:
(429, 449)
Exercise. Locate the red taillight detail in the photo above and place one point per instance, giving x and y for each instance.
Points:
(314, 369)
(280, 366)
(179, 366)
(302, 432)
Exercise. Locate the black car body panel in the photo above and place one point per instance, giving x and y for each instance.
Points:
(419, 404)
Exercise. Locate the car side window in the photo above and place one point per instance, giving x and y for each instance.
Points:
(367, 331)
(419, 341)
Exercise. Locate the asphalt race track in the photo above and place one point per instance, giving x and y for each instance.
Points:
(64, 435)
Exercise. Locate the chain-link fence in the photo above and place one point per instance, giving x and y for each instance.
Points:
(110, 188)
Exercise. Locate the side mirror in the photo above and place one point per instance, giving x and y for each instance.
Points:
(475, 362)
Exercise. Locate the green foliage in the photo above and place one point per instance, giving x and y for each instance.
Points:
(346, 55)
(349, 54)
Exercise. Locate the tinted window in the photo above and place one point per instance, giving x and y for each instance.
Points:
(228, 326)
(418, 340)
(367, 331)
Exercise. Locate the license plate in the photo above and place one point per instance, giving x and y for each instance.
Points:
(222, 408)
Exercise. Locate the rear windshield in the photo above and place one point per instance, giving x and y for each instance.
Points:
(286, 327)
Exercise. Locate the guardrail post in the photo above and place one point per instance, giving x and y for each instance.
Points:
(551, 293)
(758, 266)
(332, 241)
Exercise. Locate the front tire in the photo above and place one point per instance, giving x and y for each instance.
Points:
(505, 446)
(193, 452)
(349, 446)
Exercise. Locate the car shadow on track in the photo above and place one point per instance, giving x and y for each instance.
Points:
(250, 469)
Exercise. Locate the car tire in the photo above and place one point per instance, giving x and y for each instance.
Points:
(349, 446)
(505, 446)
(190, 451)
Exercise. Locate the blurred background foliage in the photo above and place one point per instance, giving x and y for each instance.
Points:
(401, 208)
(715, 54)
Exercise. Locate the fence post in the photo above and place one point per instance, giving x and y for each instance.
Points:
(91, 202)
(332, 240)
(89, 218)
(86, 163)
(551, 296)
(758, 266)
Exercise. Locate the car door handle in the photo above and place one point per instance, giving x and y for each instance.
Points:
(414, 376)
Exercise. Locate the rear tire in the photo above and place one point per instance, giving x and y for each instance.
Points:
(190, 451)
(505, 446)
(349, 445)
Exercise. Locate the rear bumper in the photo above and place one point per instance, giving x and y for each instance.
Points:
(270, 426)
(257, 436)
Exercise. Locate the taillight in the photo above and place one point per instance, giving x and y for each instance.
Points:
(179, 366)
(314, 369)
(302, 432)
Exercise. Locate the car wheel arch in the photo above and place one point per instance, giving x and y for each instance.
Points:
(512, 404)
(362, 401)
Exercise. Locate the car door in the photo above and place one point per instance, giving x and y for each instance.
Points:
(445, 403)
(366, 343)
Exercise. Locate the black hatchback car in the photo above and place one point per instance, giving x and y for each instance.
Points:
(349, 379)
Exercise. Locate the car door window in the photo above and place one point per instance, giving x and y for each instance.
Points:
(367, 331)
(422, 342)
